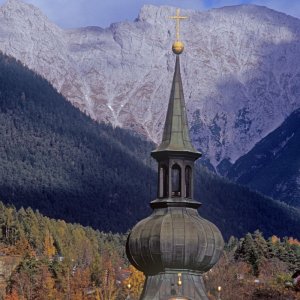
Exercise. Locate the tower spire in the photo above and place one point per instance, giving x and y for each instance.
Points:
(176, 131)
(175, 246)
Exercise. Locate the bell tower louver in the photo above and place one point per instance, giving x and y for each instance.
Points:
(175, 246)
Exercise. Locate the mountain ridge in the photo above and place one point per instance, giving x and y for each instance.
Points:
(240, 78)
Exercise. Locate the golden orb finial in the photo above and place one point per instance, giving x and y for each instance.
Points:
(178, 46)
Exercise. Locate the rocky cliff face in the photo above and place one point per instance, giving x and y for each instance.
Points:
(240, 70)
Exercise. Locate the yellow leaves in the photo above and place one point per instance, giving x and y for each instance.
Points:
(136, 281)
(109, 288)
(275, 239)
(49, 249)
(47, 289)
(79, 282)
(291, 241)
(23, 248)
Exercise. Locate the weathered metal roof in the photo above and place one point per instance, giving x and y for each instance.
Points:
(176, 132)
(174, 238)
(164, 286)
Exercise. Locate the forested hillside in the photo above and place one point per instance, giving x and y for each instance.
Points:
(56, 159)
(47, 259)
(273, 165)
(237, 209)
(42, 258)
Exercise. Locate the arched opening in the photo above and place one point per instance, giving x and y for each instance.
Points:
(176, 181)
(188, 182)
(163, 182)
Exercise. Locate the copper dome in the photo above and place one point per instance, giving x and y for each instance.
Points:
(174, 238)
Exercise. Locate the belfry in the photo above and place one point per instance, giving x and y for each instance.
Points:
(174, 246)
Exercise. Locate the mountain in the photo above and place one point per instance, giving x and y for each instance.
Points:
(240, 70)
(273, 165)
(56, 159)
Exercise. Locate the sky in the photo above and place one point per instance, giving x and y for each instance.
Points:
(80, 13)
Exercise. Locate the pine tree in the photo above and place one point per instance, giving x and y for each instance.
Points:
(248, 252)
(260, 244)
(232, 244)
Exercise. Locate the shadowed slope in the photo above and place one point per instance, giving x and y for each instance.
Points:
(56, 159)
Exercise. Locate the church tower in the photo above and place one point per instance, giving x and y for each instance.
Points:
(174, 246)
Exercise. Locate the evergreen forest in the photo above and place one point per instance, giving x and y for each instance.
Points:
(272, 166)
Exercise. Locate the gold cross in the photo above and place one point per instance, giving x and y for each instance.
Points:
(178, 18)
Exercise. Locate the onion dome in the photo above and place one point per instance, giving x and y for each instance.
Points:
(174, 238)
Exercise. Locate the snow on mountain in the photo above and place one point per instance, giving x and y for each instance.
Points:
(240, 70)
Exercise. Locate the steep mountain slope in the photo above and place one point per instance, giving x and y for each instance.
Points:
(240, 70)
(273, 165)
(56, 159)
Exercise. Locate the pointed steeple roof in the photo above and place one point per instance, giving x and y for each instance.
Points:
(176, 136)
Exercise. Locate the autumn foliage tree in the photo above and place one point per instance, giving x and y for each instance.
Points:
(12, 296)
(256, 269)
(109, 288)
(135, 281)
(57, 260)
(49, 248)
